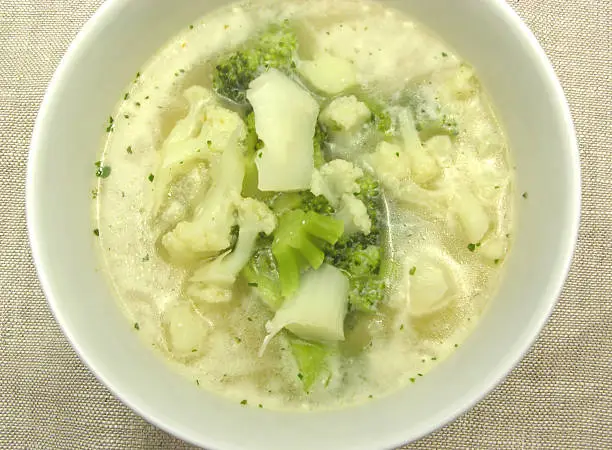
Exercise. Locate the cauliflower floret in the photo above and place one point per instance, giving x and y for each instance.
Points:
(329, 74)
(213, 281)
(472, 215)
(345, 113)
(185, 330)
(334, 179)
(423, 166)
(354, 214)
(208, 232)
(207, 130)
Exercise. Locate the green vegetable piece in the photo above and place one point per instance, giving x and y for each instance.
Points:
(293, 240)
(361, 256)
(319, 140)
(103, 171)
(310, 359)
(273, 48)
(366, 293)
(430, 117)
(262, 275)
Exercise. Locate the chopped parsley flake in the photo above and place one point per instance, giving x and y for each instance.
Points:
(136, 326)
(151, 177)
(102, 171)
(401, 327)
(397, 154)
(412, 380)
(191, 27)
(525, 195)
(193, 350)
(129, 150)
(243, 402)
(94, 194)
(145, 258)
(300, 376)
(137, 104)
(238, 340)
(412, 270)
(433, 358)
(96, 232)
(496, 261)
(253, 284)
(471, 247)
(198, 382)
(126, 96)
(260, 406)
(111, 124)
(444, 54)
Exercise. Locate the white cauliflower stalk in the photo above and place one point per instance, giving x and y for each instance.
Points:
(213, 281)
(285, 119)
(316, 312)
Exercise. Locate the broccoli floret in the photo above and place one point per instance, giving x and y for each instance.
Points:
(360, 255)
(365, 293)
(303, 200)
(320, 137)
(381, 119)
(273, 48)
(299, 237)
(430, 117)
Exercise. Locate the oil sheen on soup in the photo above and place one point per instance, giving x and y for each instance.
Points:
(303, 204)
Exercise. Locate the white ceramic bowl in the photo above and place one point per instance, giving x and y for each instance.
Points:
(90, 79)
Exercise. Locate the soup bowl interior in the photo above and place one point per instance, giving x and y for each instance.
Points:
(69, 133)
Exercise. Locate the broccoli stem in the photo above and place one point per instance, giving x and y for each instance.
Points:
(323, 227)
(292, 242)
(288, 269)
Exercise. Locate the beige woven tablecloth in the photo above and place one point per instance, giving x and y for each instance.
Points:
(560, 396)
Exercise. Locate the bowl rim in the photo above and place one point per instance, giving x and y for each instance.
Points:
(565, 252)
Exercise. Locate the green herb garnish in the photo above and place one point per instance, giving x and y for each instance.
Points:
(102, 171)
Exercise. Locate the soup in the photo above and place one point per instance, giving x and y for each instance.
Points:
(303, 205)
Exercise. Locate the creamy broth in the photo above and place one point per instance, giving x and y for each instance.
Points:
(446, 268)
